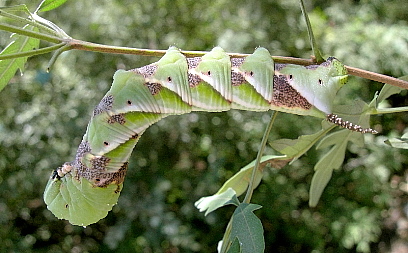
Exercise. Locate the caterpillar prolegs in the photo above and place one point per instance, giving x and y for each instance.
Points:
(84, 191)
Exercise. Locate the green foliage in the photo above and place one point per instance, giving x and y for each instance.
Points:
(8, 68)
(247, 228)
(47, 5)
(184, 158)
(399, 142)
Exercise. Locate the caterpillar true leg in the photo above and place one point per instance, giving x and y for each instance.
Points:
(335, 119)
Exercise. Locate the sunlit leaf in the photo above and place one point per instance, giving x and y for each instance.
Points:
(240, 181)
(211, 203)
(297, 147)
(238, 184)
(9, 67)
(48, 5)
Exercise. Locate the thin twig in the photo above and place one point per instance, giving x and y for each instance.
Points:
(250, 190)
(94, 47)
(377, 77)
(89, 46)
(32, 52)
(37, 35)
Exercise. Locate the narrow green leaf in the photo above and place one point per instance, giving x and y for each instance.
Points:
(341, 137)
(330, 161)
(398, 142)
(48, 5)
(297, 147)
(387, 91)
(216, 201)
(247, 227)
(14, 8)
(319, 181)
(9, 67)
(334, 158)
(391, 110)
(239, 182)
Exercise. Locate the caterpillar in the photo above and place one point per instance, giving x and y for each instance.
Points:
(85, 190)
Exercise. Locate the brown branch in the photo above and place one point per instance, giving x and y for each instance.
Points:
(89, 46)
(377, 77)
(94, 47)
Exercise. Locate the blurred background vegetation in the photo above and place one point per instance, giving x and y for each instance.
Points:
(182, 158)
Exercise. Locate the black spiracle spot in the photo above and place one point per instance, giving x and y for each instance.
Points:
(117, 189)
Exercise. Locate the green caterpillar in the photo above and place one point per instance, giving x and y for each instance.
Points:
(85, 190)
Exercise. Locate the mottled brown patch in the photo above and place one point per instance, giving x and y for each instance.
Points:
(193, 80)
(83, 148)
(135, 136)
(146, 71)
(312, 67)
(237, 78)
(236, 62)
(279, 66)
(193, 62)
(117, 118)
(97, 172)
(154, 88)
(106, 178)
(99, 163)
(286, 96)
(104, 105)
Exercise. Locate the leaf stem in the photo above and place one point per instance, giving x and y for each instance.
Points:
(37, 35)
(226, 239)
(312, 39)
(32, 52)
(57, 53)
(25, 21)
(250, 190)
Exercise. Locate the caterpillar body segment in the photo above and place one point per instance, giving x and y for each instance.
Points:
(84, 191)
